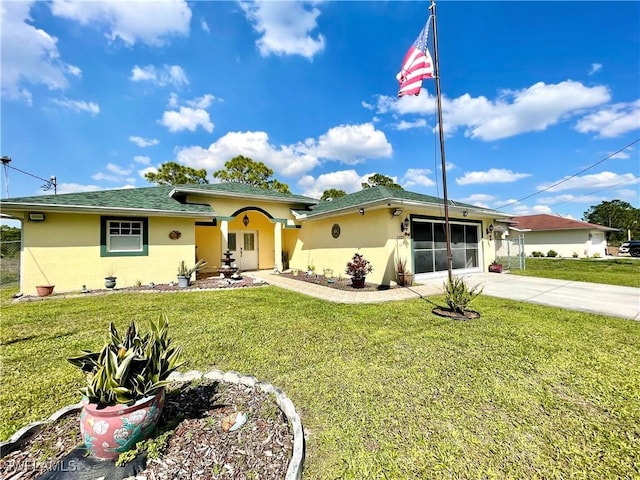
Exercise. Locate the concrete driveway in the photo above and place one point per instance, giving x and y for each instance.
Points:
(586, 297)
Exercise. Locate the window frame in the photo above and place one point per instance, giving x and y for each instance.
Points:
(104, 234)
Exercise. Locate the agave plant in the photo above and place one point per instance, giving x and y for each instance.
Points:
(458, 295)
(130, 367)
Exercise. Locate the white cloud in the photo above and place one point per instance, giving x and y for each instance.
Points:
(204, 25)
(166, 75)
(76, 188)
(144, 142)
(493, 175)
(287, 160)
(612, 120)
(78, 105)
(114, 173)
(345, 143)
(347, 180)
(352, 144)
(568, 198)
(479, 199)
(201, 102)
(141, 159)
(595, 67)
(594, 181)
(187, 118)
(141, 173)
(535, 210)
(147, 22)
(404, 125)
(285, 27)
(417, 176)
(29, 55)
(513, 111)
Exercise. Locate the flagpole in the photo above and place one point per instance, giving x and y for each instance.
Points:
(436, 65)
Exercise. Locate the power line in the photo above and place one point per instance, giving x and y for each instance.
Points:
(570, 177)
(48, 184)
(595, 191)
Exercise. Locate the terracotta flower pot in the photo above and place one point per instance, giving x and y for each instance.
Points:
(109, 431)
(44, 290)
(357, 282)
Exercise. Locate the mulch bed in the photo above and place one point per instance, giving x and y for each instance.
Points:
(198, 445)
(338, 283)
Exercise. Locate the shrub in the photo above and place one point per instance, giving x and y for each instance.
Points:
(537, 254)
(552, 253)
(596, 255)
(458, 295)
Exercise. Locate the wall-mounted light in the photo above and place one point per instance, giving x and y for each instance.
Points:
(404, 226)
(245, 220)
(397, 212)
(490, 231)
(361, 211)
(36, 217)
(465, 213)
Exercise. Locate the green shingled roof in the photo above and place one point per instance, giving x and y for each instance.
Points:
(374, 195)
(243, 190)
(149, 198)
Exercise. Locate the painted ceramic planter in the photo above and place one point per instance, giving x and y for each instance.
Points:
(357, 282)
(110, 282)
(109, 431)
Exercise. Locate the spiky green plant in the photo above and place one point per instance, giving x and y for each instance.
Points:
(131, 367)
(458, 295)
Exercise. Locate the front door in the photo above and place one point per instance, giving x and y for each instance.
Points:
(243, 245)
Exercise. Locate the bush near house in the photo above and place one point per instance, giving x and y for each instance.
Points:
(552, 254)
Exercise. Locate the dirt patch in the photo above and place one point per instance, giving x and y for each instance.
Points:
(198, 442)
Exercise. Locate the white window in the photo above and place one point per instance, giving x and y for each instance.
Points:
(124, 236)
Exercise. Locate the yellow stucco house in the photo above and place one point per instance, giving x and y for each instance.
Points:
(142, 234)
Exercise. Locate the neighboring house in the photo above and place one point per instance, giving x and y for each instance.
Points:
(541, 233)
(142, 234)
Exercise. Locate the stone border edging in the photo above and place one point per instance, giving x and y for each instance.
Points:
(294, 471)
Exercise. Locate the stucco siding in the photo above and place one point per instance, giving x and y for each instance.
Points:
(65, 251)
(566, 243)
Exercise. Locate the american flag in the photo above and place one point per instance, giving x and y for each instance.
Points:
(417, 65)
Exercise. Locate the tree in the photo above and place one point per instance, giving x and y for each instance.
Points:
(379, 180)
(332, 193)
(245, 170)
(615, 214)
(172, 173)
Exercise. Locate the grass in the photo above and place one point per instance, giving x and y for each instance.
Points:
(384, 390)
(618, 271)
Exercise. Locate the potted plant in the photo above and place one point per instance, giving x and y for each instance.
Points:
(185, 273)
(357, 269)
(125, 390)
(404, 275)
(110, 279)
(495, 267)
(44, 290)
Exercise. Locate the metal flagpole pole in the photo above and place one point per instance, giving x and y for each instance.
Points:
(436, 65)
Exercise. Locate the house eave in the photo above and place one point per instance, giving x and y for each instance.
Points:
(29, 207)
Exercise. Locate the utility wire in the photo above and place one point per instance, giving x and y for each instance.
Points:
(595, 191)
(570, 177)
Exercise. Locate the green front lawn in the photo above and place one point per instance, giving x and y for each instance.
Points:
(383, 390)
(618, 271)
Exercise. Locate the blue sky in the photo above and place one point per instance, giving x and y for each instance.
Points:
(98, 93)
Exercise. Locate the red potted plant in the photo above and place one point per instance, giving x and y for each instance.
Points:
(357, 269)
(495, 267)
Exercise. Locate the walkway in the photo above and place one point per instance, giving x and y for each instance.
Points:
(597, 298)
